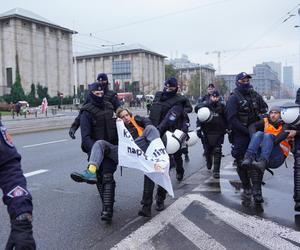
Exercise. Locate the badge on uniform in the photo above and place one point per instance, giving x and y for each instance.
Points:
(6, 136)
(16, 192)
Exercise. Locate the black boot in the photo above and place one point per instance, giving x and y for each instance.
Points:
(186, 158)
(297, 206)
(260, 165)
(256, 178)
(217, 162)
(179, 167)
(297, 180)
(99, 185)
(160, 199)
(245, 179)
(147, 197)
(243, 174)
(208, 158)
(108, 197)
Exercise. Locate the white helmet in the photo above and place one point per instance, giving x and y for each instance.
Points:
(173, 141)
(204, 114)
(290, 113)
(193, 138)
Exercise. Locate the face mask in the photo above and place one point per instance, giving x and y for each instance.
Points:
(97, 100)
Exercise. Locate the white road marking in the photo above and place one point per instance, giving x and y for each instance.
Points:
(44, 143)
(36, 172)
(195, 234)
(144, 234)
(266, 233)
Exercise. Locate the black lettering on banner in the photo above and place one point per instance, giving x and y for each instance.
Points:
(158, 152)
(135, 151)
(126, 133)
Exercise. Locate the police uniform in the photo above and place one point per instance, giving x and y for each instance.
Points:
(165, 119)
(244, 107)
(213, 134)
(97, 122)
(296, 152)
(109, 96)
(15, 194)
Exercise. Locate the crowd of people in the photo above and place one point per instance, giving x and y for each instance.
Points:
(261, 140)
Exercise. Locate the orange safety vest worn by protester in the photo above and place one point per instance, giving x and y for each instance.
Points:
(270, 129)
(138, 128)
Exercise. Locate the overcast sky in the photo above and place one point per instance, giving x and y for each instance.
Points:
(191, 27)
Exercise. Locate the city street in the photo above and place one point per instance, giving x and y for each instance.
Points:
(204, 214)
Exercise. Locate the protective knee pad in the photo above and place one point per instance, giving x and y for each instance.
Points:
(256, 179)
(217, 153)
(243, 174)
(108, 189)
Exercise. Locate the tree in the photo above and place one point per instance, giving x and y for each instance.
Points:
(17, 91)
(221, 85)
(170, 71)
(42, 91)
(31, 97)
(194, 86)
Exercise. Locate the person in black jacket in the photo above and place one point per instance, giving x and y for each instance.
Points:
(166, 113)
(97, 122)
(244, 107)
(213, 132)
(109, 96)
(16, 196)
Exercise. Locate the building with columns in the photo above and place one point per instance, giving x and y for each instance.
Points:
(40, 49)
(130, 68)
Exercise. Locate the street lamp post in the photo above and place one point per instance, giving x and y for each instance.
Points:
(112, 63)
(200, 80)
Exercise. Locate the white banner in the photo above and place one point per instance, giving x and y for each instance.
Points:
(154, 162)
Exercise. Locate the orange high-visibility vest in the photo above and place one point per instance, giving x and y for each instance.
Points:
(270, 129)
(138, 128)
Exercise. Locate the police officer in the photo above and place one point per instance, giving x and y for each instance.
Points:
(200, 102)
(97, 122)
(109, 96)
(213, 132)
(15, 195)
(244, 107)
(166, 113)
(210, 88)
(290, 114)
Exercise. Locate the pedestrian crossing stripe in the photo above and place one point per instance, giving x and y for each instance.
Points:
(265, 232)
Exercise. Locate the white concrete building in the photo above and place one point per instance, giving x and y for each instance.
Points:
(41, 49)
(131, 68)
(186, 74)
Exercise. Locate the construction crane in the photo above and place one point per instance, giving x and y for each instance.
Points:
(219, 52)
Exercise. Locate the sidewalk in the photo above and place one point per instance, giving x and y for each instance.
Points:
(63, 119)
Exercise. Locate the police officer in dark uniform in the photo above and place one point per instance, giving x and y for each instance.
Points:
(201, 101)
(210, 88)
(244, 107)
(213, 132)
(296, 152)
(15, 195)
(97, 122)
(167, 113)
(109, 96)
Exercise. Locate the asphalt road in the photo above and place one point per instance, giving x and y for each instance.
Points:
(204, 214)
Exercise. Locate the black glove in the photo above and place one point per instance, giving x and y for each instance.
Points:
(21, 236)
(72, 132)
